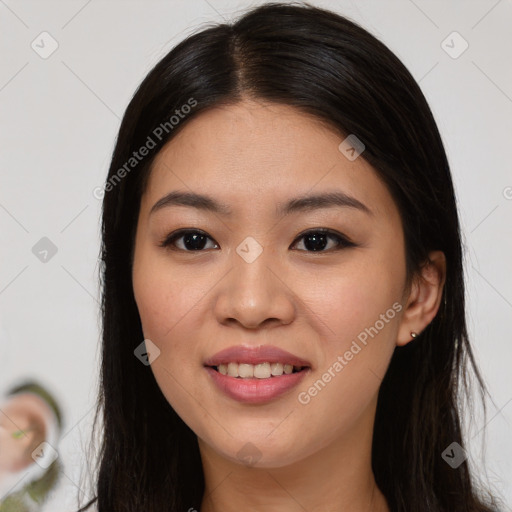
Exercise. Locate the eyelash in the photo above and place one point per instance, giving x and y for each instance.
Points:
(342, 241)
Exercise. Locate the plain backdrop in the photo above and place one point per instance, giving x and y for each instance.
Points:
(59, 119)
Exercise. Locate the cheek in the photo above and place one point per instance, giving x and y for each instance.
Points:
(360, 311)
(165, 297)
(167, 301)
(353, 298)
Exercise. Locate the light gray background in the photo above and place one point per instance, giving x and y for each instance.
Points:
(60, 116)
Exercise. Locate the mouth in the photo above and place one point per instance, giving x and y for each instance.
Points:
(266, 370)
(255, 384)
(256, 375)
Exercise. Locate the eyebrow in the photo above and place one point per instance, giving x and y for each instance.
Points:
(297, 204)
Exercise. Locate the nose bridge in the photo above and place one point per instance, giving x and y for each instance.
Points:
(253, 292)
(253, 277)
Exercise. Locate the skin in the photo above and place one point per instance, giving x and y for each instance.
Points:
(24, 412)
(253, 156)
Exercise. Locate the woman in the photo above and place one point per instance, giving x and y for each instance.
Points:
(283, 297)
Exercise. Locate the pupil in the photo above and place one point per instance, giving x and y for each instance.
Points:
(318, 241)
(194, 241)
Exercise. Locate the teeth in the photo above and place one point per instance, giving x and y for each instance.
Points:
(262, 371)
(258, 371)
(276, 369)
(245, 370)
(233, 369)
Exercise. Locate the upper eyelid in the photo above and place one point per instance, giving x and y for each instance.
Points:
(171, 238)
(345, 240)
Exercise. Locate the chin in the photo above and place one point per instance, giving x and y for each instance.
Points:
(260, 452)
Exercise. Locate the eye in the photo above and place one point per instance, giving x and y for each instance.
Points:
(316, 240)
(193, 240)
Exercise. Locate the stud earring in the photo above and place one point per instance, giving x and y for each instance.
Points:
(414, 334)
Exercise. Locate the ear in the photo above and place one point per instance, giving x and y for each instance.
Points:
(424, 298)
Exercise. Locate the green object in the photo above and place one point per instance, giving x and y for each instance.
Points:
(32, 496)
(18, 434)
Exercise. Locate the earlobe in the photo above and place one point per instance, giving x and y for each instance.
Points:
(424, 298)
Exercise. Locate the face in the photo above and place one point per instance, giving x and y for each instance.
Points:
(264, 274)
(22, 429)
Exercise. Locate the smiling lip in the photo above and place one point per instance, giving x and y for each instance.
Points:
(254, 390)
(255, 355)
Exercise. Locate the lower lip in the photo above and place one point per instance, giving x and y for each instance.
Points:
(254, 390)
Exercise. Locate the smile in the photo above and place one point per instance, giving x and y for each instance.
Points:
(258, 371)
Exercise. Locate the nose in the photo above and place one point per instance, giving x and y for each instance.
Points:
(255, 294)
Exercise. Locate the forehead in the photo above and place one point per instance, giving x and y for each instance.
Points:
(257, 151)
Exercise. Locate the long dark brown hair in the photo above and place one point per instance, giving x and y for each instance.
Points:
(326, 65)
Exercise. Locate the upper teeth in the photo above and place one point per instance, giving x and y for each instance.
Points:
(260, 371)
